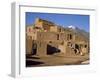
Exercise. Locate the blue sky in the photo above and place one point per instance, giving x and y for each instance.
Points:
(80, 21)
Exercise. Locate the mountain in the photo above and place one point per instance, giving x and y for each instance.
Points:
(82, 33)
(78, 31)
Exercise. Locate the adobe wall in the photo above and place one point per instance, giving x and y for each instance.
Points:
(29, 45)
(54, 36)
(41, 48)
(46, 36)
(51, 36)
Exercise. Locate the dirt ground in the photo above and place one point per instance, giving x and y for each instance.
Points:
(56, 60)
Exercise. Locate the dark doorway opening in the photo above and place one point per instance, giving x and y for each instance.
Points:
(57, 36)
(77, 48)
(52, 50)
(34, 49)
(70, 36)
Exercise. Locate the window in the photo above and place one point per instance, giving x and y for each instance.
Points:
(57, 36)
(60, 30)
(50, 41)
(85, 46)
(70, 36)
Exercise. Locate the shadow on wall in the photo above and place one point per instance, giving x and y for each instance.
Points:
(52, 50)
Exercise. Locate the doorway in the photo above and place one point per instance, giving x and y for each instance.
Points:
(34, 49)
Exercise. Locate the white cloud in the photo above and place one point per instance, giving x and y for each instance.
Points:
(72, 27)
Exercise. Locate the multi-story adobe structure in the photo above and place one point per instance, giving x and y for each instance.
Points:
(46, 38)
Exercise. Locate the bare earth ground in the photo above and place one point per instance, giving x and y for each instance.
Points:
(54, 60)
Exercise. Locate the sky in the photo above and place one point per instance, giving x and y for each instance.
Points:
(65, 20)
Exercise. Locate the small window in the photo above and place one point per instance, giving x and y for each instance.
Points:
(85, 46)
(50, 41)
(60, 30)
(57, 36)
(70, 36)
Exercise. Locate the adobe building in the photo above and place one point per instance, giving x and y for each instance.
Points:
(46, 38)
